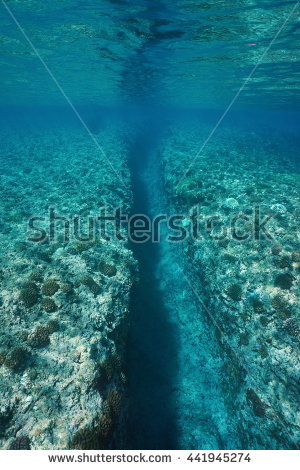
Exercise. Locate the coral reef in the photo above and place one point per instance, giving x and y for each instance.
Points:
(247, 278)
(56, 331)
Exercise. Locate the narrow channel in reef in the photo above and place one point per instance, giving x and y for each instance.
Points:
(153, 340)
(176, 367)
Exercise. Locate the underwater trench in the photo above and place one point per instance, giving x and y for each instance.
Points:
(152, 352)
(175, 363)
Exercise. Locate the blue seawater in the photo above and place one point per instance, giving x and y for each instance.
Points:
(158, 107)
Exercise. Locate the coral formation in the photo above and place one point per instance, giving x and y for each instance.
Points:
(104, 372)
(283, 262)
(30, 285)
(85, 439)
(67, 288)
(39, 338)
(28, 296)
(16, 359)
(36, 276)
(95, 436)
(235, 292)
(91, 284)
(114, 400)
(291, 326)
(20, 443)
(258, 305)
(105, 426)
(284, 281)
(2, 357)
(296, 256)
(52, 326)
(50, 287)
(107, 269)
(259, 407)
(276, 249)
(48, 305)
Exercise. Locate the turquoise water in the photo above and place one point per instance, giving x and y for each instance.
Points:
(159, 108)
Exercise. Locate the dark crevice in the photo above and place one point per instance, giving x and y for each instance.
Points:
(152, 352)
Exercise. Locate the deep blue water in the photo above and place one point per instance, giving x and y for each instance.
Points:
(152, 65)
